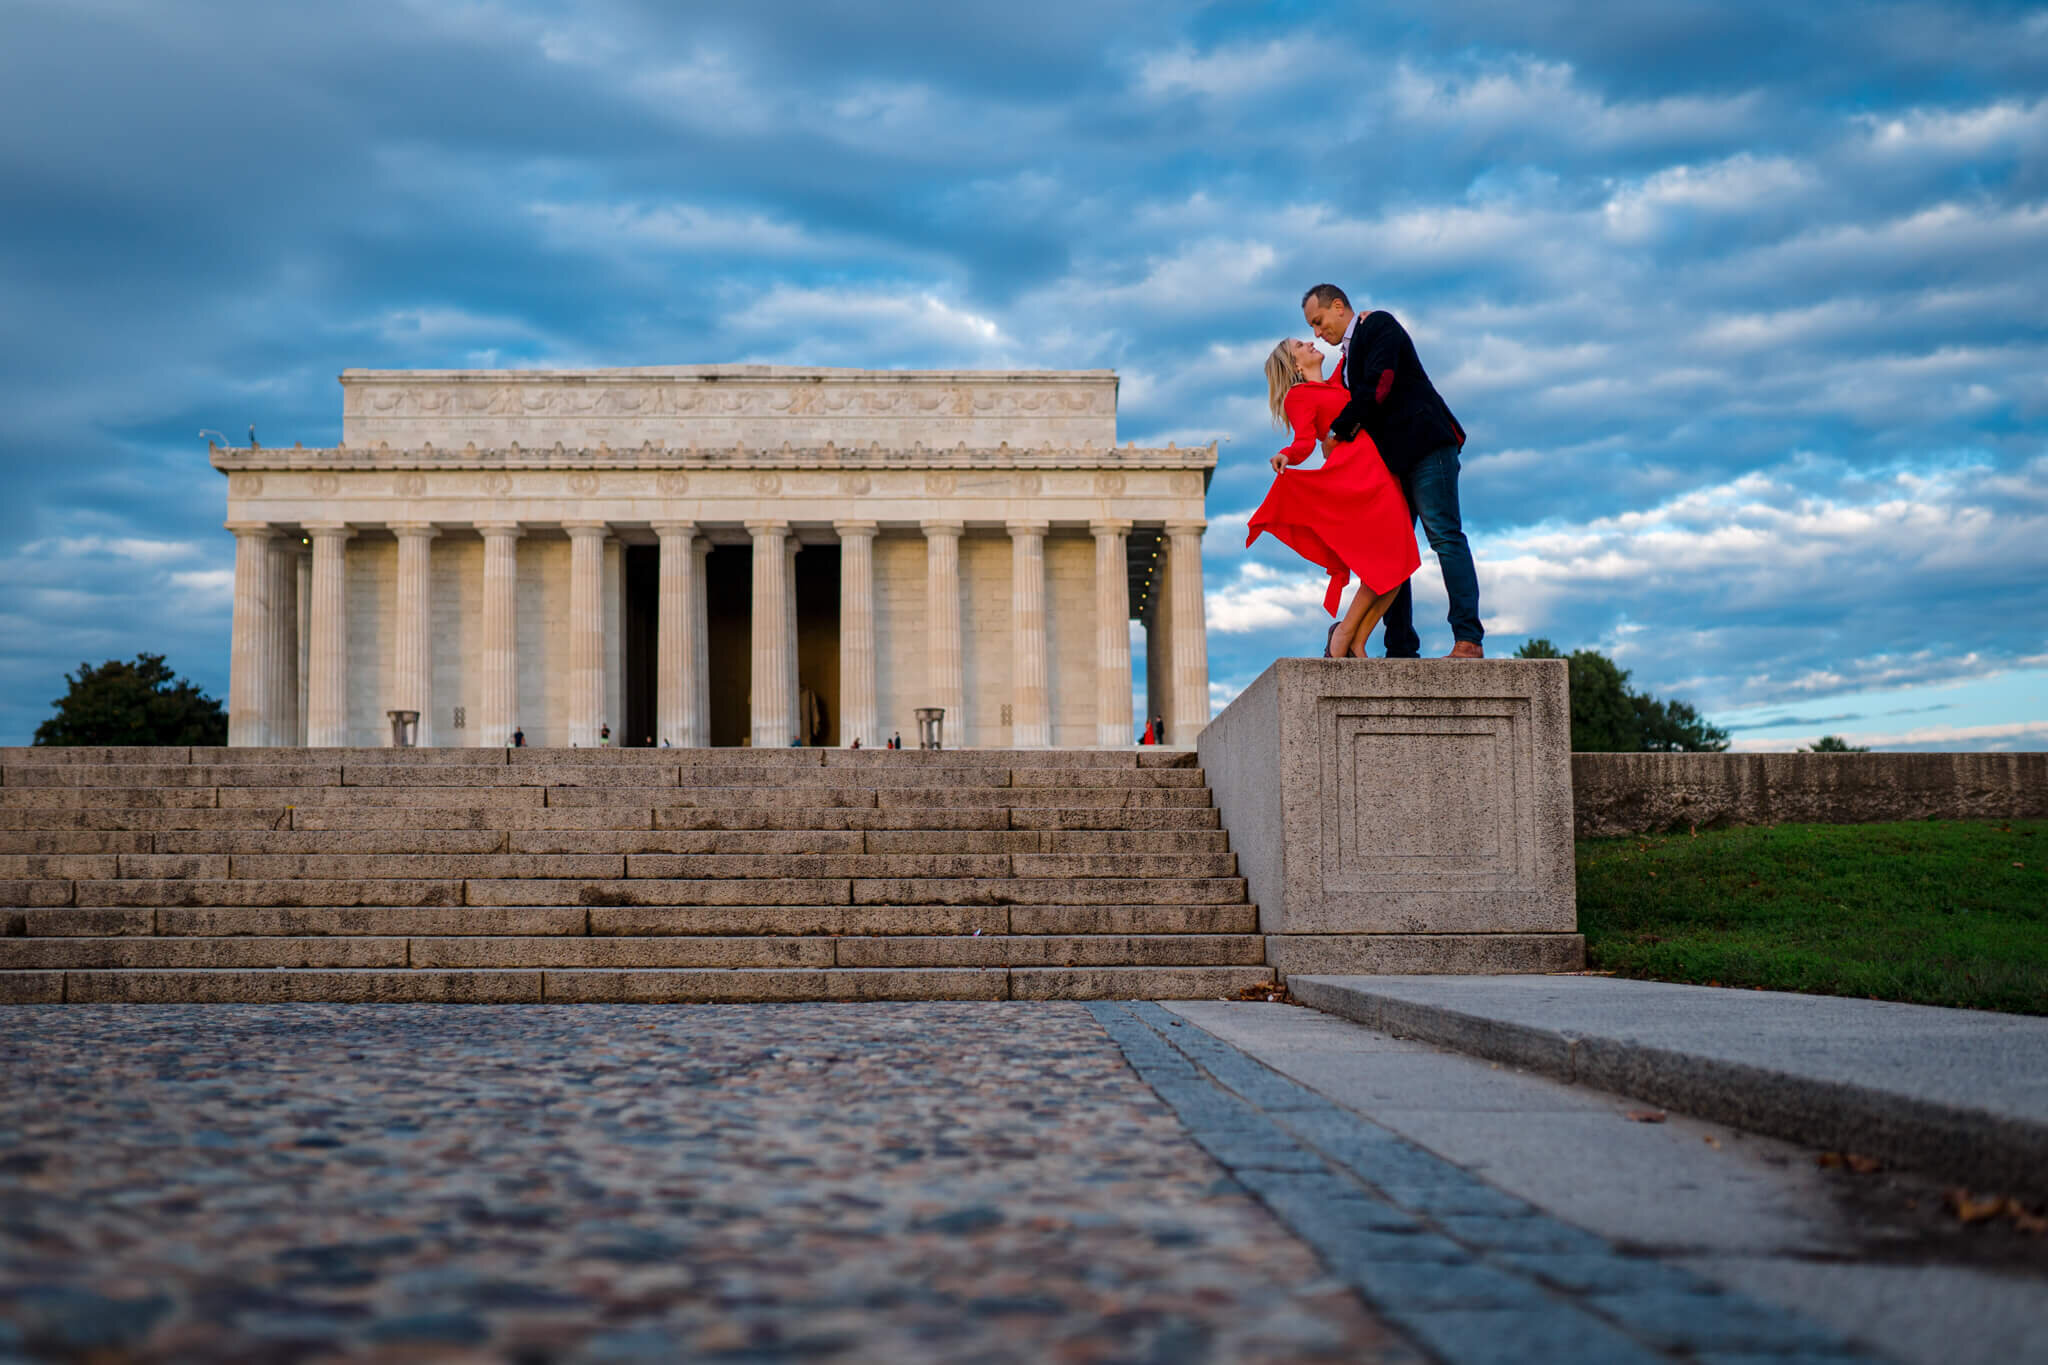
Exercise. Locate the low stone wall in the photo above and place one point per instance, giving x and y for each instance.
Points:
(1616, 794)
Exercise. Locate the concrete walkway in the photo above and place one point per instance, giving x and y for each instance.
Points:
(1684, 1234)
(1958, 1094)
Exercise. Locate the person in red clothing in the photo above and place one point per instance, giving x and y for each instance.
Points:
(1348, 515)
(1393, 402)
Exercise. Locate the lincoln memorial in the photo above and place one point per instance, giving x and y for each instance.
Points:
(717, 555)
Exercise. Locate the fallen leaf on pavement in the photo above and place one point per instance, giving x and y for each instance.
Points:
(1712, 1141)
(1864, 1165)
(1644, 1116)
(1971, 1210)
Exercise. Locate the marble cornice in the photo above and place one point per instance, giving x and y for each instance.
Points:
(654, 455)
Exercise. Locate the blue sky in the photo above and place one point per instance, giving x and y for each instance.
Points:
(1741, 304)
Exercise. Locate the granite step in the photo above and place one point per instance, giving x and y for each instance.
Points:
(618, 951)
(601, 985)
(605, 793)
(478, 814)
(218, 921)
(390, 841)
(1152, 844)
(792, 758)
(785, 891)
(526, 875)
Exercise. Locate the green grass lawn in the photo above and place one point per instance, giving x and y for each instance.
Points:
(1936, 912)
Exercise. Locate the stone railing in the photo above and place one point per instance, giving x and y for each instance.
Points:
(1616, 794)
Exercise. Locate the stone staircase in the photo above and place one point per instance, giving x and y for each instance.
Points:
(467, 875)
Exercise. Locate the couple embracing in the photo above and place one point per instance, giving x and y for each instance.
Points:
(1390, 455)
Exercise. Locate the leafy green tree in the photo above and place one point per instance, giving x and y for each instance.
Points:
(133, 703)
(1609, 717)
(1835, 744)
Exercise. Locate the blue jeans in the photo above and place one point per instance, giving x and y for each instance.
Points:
(1432, 489)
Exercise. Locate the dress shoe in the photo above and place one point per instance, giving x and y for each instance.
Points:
(1465, 649)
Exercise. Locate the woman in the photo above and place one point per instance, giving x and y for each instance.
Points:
(1349, 515)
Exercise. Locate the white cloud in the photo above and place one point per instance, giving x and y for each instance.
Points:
(2003, 125)
(205, 589)
(877, 318)
(1262, 598)
(1234, 71)
(437, 326)
(135, 549)
(678, 227)
(1542, 99)
(2024, 734)
(1739, 184)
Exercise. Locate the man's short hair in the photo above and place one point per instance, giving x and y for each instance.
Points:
(1325, 294)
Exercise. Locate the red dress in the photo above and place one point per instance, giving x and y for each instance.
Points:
(1348, 515)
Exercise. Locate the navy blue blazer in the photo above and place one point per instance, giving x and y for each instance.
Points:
(1392, 400)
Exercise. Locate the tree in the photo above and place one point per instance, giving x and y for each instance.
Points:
(1609, 717)
(133, 703)
(1835, 744)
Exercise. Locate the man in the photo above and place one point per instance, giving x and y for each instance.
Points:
(1393, 402)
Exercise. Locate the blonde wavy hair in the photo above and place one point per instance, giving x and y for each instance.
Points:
(1282, 374)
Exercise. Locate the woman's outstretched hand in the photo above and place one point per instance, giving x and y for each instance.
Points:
(1279, 463)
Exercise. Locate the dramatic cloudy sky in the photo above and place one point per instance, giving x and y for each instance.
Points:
(1742, 303)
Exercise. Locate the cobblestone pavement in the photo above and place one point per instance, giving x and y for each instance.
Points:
(896, 1182)
(1476, 1275)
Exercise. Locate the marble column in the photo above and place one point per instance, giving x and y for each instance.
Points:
(700, 655)
(945, 682)
(1112, 636)
(283, 689)
(250, 706)
(612, 711)
(586, 630)
(771, 720)
(801, 727)
(859, 713)
(1190, 693)
(327, 688)
(412, 635)
(1031, 699)
(302, 564)
(676, 647)
(500, 690)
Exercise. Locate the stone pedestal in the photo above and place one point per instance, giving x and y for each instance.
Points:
(1403, 815)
